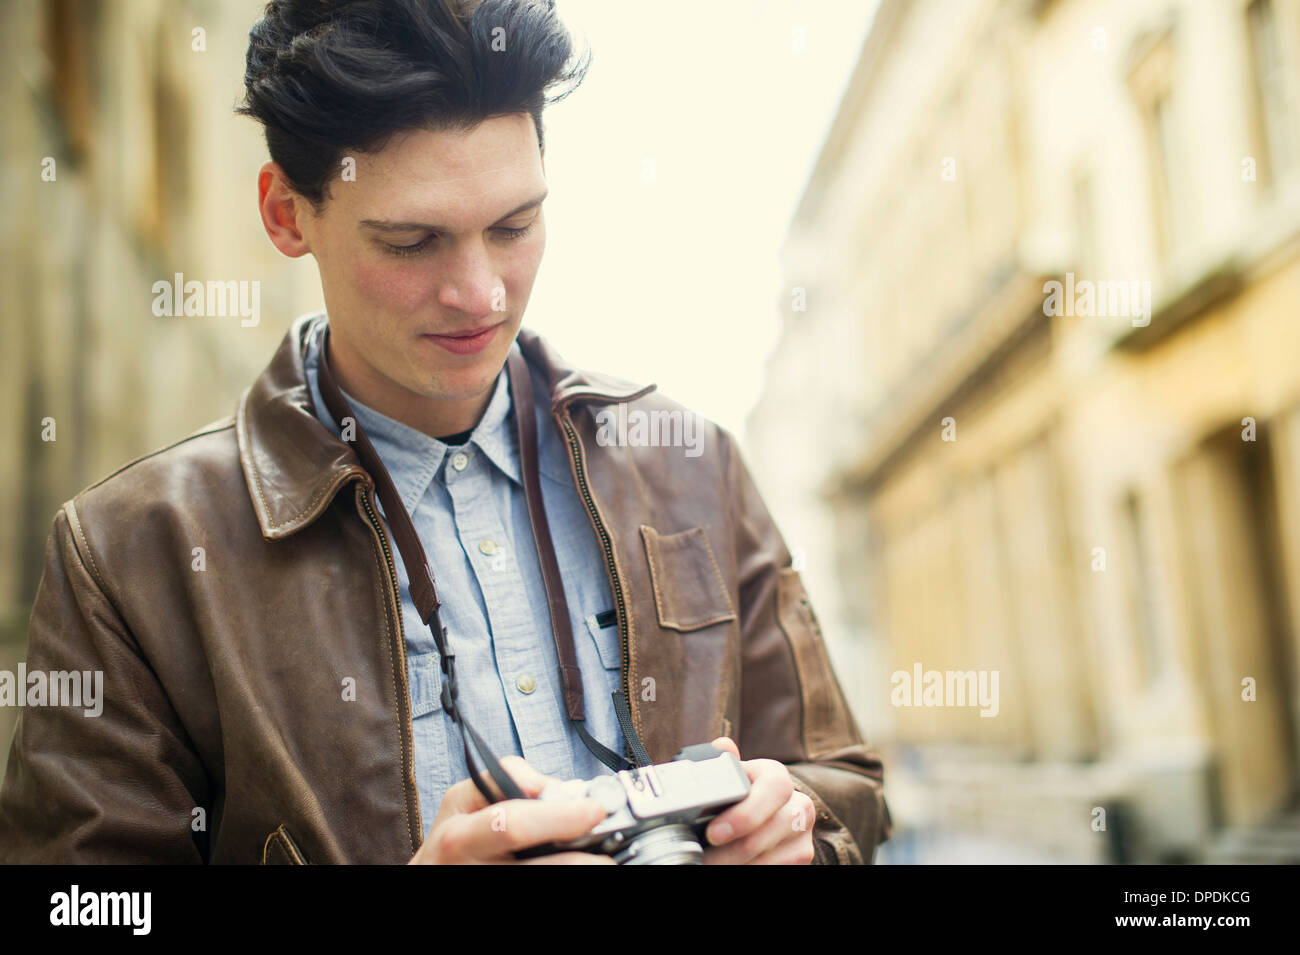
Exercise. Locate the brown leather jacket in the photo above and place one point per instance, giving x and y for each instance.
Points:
(225, 735)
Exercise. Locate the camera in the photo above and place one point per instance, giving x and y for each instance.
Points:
(656, 814)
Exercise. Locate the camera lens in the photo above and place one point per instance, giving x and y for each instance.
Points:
(663, 845)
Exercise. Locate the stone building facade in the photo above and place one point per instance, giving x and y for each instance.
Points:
(1042, 328)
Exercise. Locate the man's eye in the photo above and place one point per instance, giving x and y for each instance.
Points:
(504, 233)
(511, 234)
(410, 249)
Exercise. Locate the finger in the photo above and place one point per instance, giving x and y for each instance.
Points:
(790, 852)
(530, 781)
(791, 823)
(506, 827)
(725, 742)
(460, 798)
(464, 797)
(770, 790)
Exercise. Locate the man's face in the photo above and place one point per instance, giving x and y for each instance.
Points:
(428, 258)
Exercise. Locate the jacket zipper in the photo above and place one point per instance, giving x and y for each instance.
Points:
(580, 472)
(408, 744)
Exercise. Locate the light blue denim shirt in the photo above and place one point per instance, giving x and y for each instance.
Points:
(468, 506)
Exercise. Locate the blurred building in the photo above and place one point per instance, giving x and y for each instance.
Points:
(123, 166)
(1092, 489)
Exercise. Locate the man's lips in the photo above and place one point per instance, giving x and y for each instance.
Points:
(466, 342)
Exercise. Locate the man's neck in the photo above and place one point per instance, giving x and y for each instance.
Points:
(435, 417)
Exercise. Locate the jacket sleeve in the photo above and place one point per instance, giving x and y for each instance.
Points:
(120, 786)
(792, 707)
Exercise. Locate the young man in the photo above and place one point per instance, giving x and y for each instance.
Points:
(272, 689)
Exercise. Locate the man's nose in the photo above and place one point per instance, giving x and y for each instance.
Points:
(470, 280)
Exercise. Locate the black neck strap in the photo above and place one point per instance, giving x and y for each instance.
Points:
(425, 596)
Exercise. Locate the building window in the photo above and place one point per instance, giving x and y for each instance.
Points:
(69, 31)
(1085, 226)
(1274, 94)
(1162, 135)
(165, 105)
(1152, 81)
(1141, 587)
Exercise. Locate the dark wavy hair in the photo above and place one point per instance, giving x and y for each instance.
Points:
(325, 77)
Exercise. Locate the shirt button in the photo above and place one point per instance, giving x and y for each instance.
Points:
(488, 547)
(525, 683)
(460, 460)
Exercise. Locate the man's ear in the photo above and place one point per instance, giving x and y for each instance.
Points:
(282, 209)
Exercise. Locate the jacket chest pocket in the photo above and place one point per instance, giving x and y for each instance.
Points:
(281, 848)
(689, 591)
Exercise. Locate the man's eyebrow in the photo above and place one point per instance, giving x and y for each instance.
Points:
(388, 225)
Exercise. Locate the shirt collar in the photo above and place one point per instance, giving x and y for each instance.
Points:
(293, 461)
(412, 457)
(498, 438)
(495, 432)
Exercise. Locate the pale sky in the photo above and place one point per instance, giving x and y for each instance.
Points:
(676, 280)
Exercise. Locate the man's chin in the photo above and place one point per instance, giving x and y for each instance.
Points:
(452, 377)
(464, 384)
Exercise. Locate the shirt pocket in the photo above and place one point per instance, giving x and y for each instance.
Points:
(428, 732)
(603, 628)
(689, 591)
(602, 675)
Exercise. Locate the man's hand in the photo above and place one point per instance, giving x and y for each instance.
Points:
(773, 825)
(469, 830)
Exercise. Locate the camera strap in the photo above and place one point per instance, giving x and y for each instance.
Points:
(425, 596)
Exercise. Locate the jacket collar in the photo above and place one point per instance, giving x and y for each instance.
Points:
(294, 466)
